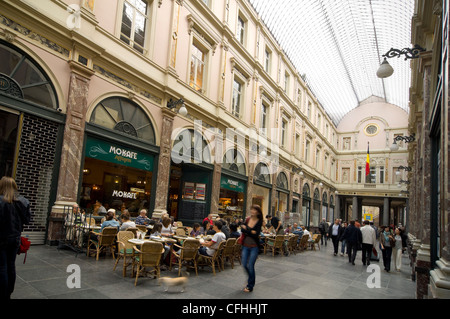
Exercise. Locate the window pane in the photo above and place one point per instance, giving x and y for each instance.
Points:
(9, 59)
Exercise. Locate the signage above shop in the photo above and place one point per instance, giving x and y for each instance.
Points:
(121, 194)
(232, 185)
(111, 153)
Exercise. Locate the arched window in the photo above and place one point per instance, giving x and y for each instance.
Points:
(23, 78)
(306, 191)
(262, 173)
(332, 200)
(317, 194)
(234, 161)
(282, 181)
(125, 116)
(324, 198)
(191, 147)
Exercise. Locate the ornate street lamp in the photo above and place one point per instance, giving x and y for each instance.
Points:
(403, 168)
(386, 69)
(406, 139)
(173, 104)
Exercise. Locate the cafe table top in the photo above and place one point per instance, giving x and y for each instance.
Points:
(142, 241)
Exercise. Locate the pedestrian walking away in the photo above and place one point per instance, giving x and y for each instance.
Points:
(250, 244)
(354, 238)
(335, 233)
(14, 213)
(323, 228)
(369, 239)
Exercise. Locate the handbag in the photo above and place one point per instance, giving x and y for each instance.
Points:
(240, 241)
(24, 242)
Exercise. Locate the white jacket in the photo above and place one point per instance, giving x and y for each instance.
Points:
(368, 235)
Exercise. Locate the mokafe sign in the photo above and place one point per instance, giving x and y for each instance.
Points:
(116, 154)
(232, 185)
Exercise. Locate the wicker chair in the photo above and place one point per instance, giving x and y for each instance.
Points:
(90, 221)
(303, 242)
(210, 261)
(179, 224)
(134, 230)
(292, 244)
(125, 250)
(274, 244)
(238, 253)
(180, 232)
(315, 241)
(105, 240)
(187, 254)
(148, 256)
(228, 253)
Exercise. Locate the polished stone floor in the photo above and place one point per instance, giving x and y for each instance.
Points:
(311, 274)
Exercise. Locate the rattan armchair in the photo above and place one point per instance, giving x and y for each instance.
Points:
(315, 241)
(274, 244)
(211, 261)
(292, 244)
(238, 252)
(186, 255)
(125, 250)
(228, 252)
(303, 242)
(148, 256)
(104, 240)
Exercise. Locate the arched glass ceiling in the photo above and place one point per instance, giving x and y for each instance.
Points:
(338, 46)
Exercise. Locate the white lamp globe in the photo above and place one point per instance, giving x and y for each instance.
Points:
(183, 111)
(385, 70)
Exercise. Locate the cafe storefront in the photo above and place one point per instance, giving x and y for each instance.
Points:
(119, 160)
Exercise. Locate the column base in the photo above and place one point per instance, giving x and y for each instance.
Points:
(440, 280)
(422, 268)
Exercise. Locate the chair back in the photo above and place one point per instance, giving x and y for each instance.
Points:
(228, 249)
(142, 228)
(190, 249)
(237, 248)
(90, 221)
(151, 253)
(134, 230)
(292, 241)
(123, 237)
(219, 249)
(279, 239)
(319, 236)
(180, 232)
(304, 240)
(179, 224)
(108, 236)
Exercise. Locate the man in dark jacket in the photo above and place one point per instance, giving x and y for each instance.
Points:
(324, 228)
(354, 238)
(335, 233)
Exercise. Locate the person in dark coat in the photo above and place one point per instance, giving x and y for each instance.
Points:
(335, 232)
(353, 237)
(14, 213)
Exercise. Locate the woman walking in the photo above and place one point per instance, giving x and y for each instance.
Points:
(398, 250)
(387, 241)
(14, 213)
(250, 244)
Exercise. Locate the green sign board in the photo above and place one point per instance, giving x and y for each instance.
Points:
(116, 154)
(232, 185)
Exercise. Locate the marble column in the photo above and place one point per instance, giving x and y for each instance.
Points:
(355, 208)
(386, 211)
(164, 162)
(217, 173)
(251, 171)
(72, 148)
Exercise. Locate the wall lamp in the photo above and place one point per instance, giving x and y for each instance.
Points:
(386, 70)
(298, 170)
(403, 168)
(406, 139)
(173, 104)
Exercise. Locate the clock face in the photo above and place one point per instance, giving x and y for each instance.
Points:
(371, 130)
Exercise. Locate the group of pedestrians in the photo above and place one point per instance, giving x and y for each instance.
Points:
(355, 237)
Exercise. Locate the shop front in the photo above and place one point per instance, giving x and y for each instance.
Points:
(306, 207)
(232, 200)
(116, 176)
(262, 188)
(190, 178)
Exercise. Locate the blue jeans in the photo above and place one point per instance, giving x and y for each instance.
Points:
(344, 243)
(249, 256)
(8, 253)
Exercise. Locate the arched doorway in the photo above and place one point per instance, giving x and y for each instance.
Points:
(332, 217)
(119, 159)
(316, 209)
(30, 128)
(262, 188)
(306, 206)
(190, 177)
(325, 206)
(233, 185)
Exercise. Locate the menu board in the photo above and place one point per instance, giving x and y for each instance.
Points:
(200, 192)
(192, 210)
(189, 189)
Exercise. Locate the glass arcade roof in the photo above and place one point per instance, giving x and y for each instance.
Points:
(338, 46)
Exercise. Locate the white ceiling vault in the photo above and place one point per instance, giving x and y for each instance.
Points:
(338, 45)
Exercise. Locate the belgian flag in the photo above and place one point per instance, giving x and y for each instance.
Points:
(368, 161)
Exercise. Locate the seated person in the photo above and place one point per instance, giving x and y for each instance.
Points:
(142, 219)
(167, 230)
(306, 232)
(298, 231)
(209, 248)
(234, 231)
(110, 221)
(288, 230)
(126, 222)
(156, 234)
(225, 228)
(210, 230)
(195, 230)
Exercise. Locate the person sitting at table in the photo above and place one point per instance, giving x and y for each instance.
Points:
(306, 232)
(210, 230)
(110, 221)
(234, 231)
(298, 231)
(209, 248)
(225, 228)
(126, 222)
(142, 219)
(166, 230)
(288, 230)
(195, 230)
